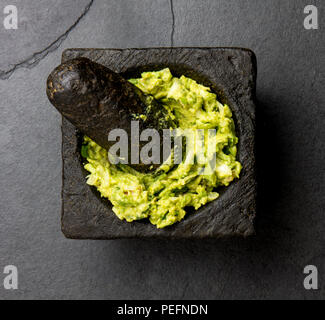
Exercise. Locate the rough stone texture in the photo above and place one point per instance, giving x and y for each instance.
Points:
(290, 160)
(231, 73)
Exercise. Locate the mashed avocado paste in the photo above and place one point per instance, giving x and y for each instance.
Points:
(163, 195)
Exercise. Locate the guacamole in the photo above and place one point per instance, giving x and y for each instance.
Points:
(163, 195)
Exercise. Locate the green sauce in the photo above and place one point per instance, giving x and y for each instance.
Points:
(164, 195)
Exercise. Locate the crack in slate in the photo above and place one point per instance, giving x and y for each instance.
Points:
(39, 56)
(173, 23)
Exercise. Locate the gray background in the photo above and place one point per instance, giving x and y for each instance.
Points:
(291, 135)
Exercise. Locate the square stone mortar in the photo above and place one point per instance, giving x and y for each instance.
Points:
(231, 74)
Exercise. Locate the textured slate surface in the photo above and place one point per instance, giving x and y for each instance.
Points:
(290, 160)
(40, 36)
(229, 72)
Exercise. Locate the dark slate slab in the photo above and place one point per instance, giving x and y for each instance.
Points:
(42, 27)
(231, 73)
